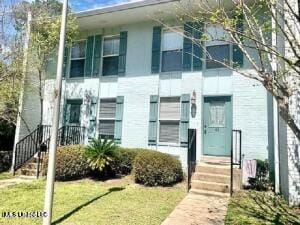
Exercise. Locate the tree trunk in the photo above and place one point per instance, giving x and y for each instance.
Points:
(286, 115)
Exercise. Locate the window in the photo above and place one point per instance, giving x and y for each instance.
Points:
(73, 111)
(107, 118)
(169, 118)
(78, 59)
(172, 43)
(110, 56)
(219, 53)
(217, 47)
(217, 114)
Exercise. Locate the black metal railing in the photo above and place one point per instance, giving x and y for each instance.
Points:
(38, 142)
(191, 156)
(28, 146)
(236, 154)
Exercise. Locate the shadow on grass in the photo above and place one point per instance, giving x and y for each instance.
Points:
(265, 206)
(66, 216)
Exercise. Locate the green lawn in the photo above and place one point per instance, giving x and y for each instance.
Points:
(253, 208)
(5, 175)
(93, 202)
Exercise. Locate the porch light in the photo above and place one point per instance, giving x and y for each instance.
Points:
(193, 105)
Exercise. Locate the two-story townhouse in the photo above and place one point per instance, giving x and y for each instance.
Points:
(130, 78)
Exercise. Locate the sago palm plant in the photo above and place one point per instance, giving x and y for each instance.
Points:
(100, 153)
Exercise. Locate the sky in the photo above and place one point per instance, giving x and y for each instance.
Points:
(81, 5)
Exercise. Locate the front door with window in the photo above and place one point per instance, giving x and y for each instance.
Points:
(217, 125)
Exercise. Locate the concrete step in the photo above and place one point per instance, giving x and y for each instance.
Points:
(212, 169)
(209, 193)
(216, 160)
(210, 186)
(28, 172)
(30, 165)
(218, 178)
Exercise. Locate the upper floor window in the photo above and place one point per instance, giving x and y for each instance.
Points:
(217, 47)
(78, 59)
(172, 43)
(217, 54)
(169, 119)
(110, 56)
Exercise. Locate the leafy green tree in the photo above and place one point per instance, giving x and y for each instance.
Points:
(44, 38)
(251, 28)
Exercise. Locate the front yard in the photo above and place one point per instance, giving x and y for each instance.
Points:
(87, 202)
(260, 208)
(5, 175)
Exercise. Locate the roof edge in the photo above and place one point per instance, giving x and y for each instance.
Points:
(121, 7)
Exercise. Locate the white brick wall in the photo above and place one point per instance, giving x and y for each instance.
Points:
(250, 116)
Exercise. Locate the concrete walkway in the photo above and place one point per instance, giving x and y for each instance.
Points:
(198, 209)
(13, 181)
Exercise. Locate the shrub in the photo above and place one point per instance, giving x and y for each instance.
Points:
(71, 163)
(153, 168)
(261, 182)
(100, 153)
(123, 162)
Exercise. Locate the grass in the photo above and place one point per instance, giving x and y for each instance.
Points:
(5, 175)
(87, 202)
(252, 207)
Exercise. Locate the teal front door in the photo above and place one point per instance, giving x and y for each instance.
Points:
(217, 126)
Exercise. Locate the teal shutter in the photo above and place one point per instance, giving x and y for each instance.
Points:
(237, 55)
(184, 120)
(89, 56)
(187, 47)
(198, 51)
(153, 119)
(119, 118)
(97, 55)
(66, 61)
(122, 53)
(156, 46)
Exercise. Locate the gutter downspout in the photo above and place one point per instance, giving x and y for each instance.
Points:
(24, 71)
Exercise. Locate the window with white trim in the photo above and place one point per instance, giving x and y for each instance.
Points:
(78, 58)
(169, 119)
(217, 47)
(172, 44)
(107, 115)
(110, 56)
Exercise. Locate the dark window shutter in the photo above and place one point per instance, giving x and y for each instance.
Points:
(197, 46)
(89, 56)
(237, 55)
(119, 118)
(122, 53)
(184, 120)
(187, 47)
(156, 46)
(66, 61)
(97, 55)
(152, 131)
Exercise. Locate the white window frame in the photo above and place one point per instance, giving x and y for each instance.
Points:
(211, 43)
(168, 120)
(106, 56)
(105, 118)
(80, 58)
(170, 30)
